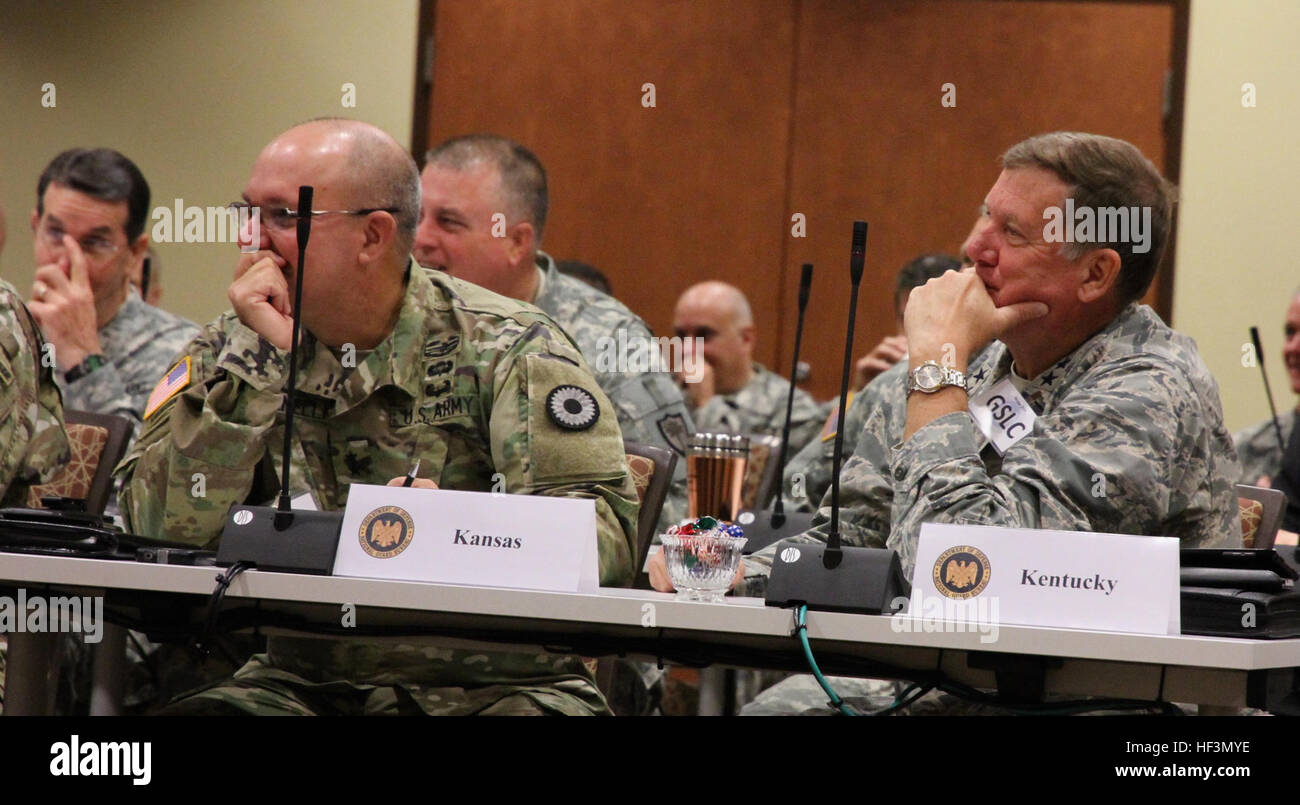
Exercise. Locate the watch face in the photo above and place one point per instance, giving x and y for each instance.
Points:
(929, 376)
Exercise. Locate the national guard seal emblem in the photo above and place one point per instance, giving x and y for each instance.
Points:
(961, 572)
(386, 532)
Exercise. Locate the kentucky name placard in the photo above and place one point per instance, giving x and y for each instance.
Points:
(475, 538)
(1033, 577)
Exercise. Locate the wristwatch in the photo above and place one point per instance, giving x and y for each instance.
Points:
(88, 364)
(929, 377)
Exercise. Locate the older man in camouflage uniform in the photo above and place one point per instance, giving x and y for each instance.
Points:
(483, 210)
(1129, 436)
(734, 393)
(420, 365)
(109, 344)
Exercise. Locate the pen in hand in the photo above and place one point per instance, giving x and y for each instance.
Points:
(410, 476)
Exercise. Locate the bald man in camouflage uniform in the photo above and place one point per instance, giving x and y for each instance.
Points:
(467, 183)
(736, 394)
(445, 372)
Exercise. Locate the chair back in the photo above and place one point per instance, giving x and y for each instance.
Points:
(1261, 515)
(652, 472)
(96, 442)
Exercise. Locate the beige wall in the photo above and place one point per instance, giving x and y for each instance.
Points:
(1240, 221)
(190, 91)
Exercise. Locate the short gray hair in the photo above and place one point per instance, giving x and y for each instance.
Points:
(1105, 172)
(523, 179)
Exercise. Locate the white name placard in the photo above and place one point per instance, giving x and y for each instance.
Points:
(1077, 580)
(475, 538)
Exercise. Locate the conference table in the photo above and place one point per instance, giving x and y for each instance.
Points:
(1024, 661)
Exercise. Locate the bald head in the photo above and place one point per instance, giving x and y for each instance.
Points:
(719, 314)
(726, 300)
(355, 168)
(358, 165)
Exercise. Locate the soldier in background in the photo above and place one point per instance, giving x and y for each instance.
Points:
(445, 372)
(587, 273)
(1266, 461)
(483, 211)
(734, 393)
(110, 347)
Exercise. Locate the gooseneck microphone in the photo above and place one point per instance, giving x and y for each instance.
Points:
(281, 538)
(830, 577)
(857, 257)
(778, 511)
(284, 511)
(1268, 391)
(763, 528)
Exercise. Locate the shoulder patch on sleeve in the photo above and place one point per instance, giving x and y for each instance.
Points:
(175, 381)
(832, 424)
(572, 407)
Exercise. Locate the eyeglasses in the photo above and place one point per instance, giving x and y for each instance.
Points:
(96, 249)
(281, 219)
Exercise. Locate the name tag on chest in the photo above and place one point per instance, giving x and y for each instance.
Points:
(1080, 580)
(473, 538)
(1002, 415)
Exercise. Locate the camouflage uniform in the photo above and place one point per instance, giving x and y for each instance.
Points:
(33, 443)
(1132, 413)
(459, 383)
(813, 462)
(1129, 439)
(649, 404)
(759, 407)
(1258, 450)
(139, 344)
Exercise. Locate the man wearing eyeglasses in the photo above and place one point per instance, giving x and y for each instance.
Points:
(395, 363)
(108, 345)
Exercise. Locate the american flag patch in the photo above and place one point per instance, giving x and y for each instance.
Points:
(833, 421)
(174, 381)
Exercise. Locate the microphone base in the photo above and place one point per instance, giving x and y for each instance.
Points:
(302, 542)
(761, 533)
(868, 581)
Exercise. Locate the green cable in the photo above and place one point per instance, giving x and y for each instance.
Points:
(836, 701)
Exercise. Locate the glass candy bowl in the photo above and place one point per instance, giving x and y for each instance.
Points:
(701, 566)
